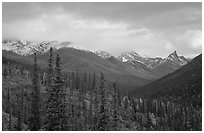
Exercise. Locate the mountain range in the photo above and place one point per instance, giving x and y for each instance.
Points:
(155, 66)
(129, 69)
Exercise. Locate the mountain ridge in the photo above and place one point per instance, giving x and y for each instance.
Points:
(30, 47)
(155, 66)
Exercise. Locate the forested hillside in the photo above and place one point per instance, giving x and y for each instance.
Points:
(73, 59)
(38, 99)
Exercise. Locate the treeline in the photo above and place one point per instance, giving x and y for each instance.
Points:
(82, 102)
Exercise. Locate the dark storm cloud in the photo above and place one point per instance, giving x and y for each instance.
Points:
(110, 26)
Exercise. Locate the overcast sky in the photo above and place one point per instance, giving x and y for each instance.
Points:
(152, 29)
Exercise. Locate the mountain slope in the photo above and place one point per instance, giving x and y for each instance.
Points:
(152, 62)
(133, 56)
(155, 66)
(73, 59)
(182, 85)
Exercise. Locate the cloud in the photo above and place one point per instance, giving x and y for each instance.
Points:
(186, 43)
(196, 39)
(168, 46)
(193, 38)
(154, 29)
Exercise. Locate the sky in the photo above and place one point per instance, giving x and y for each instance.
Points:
(151, 29)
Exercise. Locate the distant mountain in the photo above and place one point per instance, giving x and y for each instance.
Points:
(156, 66)
(152, 62)
(139, 66)
(184, 84)
(29, 47)
(103, 54)
(169, 64)
(133, 56)
(180, 60)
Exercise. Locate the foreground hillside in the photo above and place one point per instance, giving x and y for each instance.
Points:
(183, 85)
(89, 102)
(97, 93)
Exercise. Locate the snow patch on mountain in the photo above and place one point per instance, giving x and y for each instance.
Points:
(124, 60)
(103, 54)
(152, 62)
(30, 47)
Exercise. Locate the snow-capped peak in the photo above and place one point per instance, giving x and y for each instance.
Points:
(128, 56)
(68, 44)
(103, 54)
(124, 60)
(29, 47)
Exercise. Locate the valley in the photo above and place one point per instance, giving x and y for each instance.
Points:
(141, 84)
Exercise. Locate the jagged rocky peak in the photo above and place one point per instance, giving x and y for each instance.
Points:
(173, 55)
(181, 60)
(103, 54)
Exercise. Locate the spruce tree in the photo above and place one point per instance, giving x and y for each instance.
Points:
(59, 96)
(35, 101)
(103, 122)
(90, 115)
(22, 105)
(89, 82)
(25, 113)
(9, 106)
(5, 73)
(49, 103)
(18, 125)
(95, 105)
(115, 107)
(73, 81)
(93, 82)
(85, 82)
(77, 80)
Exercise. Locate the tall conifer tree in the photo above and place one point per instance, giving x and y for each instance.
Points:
(60, 98)
(9, 105)
(49, 103)
(103, 123)
(35, 101)
(77, 80)
(115, 107)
